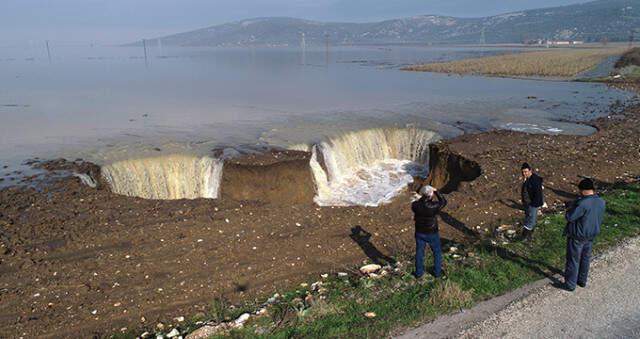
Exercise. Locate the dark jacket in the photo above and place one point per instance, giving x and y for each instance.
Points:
(584, 218)
(532, 191)
(425, 213)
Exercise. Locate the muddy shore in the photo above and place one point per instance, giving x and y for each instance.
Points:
(78, 262)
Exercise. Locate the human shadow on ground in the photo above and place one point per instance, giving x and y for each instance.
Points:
(363, 238)
(512, 204)
(459, 225)
(561, 193)
(537, 266)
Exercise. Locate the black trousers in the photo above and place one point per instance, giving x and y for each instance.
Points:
(578, 260)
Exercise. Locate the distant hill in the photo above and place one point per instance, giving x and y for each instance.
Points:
(594, 21)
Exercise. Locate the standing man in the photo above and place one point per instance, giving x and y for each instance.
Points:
(584, 218)
(532, 200)
(426, 210)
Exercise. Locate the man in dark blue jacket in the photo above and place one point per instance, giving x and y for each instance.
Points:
(532, 200)
(426, 211)
(584, 218)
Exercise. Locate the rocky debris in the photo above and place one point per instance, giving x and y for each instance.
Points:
(370, 269)
(370, 315)
(210, 330)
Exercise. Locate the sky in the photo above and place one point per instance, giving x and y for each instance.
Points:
(119, 21)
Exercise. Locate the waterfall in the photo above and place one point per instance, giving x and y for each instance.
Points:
(369, 167)
(165, 177)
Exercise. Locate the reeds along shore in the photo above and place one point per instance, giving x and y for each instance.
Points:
(548, 63)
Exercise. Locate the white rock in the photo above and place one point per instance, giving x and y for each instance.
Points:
(242, 319)
(324, 276)
(342, 274)
(370, 315)
(174, 333)
(203, 332)
(371, 268)
(179, 319)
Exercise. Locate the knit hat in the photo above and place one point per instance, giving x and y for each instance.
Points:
(525, 166)
(586, 184)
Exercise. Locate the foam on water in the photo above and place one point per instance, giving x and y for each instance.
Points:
(369, 167)
(165, 177)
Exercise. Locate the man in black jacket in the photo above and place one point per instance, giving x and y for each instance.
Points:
(426, 211)
(584, 219)
(532, 200)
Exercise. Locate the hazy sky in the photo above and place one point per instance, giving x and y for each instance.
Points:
(114, 21)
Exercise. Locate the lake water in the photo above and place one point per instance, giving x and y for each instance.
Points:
(105, 104)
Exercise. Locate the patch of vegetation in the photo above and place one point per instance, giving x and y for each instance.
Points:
(361, 306)
(629, 58)
(567, 62)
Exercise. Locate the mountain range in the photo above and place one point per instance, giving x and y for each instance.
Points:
(610, 20)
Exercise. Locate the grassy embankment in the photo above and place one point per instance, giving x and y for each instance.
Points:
(337, 307)
(564, 63)
(627, 69)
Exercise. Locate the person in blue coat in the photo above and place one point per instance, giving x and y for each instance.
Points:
(584, 218)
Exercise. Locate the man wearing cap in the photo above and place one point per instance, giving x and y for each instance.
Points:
(532, 200)
(584, 218)
(426, 210)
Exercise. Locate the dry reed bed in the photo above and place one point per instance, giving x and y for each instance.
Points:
(548, 63)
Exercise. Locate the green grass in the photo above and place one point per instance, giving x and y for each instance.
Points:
(399, 300)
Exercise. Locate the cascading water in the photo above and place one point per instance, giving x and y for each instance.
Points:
(165, 177)
(369, 167)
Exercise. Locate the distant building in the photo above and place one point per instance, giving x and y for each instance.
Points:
(564, 42)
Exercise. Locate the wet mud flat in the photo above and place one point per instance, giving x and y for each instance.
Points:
(77, 261)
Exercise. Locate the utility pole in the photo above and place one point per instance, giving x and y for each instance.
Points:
(48, 50)
(144, 46)
(326, 43)
(303, 46)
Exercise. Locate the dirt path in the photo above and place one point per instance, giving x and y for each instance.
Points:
(608, 308)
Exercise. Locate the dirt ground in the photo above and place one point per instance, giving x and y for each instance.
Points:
(82, 262)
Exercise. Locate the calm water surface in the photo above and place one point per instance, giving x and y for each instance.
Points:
(106, 103)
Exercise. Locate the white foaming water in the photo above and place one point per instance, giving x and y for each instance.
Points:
(165, 177)
(369, 167)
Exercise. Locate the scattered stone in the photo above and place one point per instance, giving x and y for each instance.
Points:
(342, 274)
(204, 332)
(370, 315)
(371, 268)
(324, 276)
(179, 319)
(174, 333)
(241, 319)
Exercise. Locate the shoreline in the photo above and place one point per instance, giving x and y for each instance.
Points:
(148, 258)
